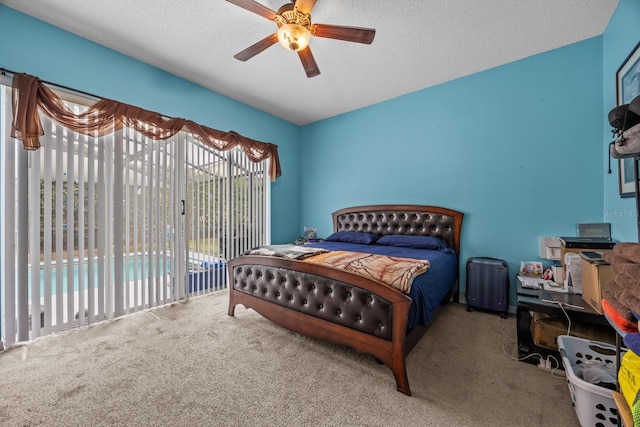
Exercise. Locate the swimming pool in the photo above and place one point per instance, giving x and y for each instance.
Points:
(133, 268)
(203, 274)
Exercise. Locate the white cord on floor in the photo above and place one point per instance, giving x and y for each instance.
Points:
(550, 357)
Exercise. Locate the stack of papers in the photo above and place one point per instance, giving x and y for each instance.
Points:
(541, 284)
(573, 277)
(531, 282)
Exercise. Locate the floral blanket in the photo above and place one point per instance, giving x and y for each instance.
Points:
(395, 271)
(286, 251)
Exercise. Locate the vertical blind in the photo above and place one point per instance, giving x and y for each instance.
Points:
(96, 228)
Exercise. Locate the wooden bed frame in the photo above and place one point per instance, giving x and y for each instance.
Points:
(342, 307)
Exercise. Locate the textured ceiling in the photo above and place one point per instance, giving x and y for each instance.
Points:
(418, 44)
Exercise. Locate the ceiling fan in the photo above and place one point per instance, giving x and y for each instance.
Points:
(295, 30)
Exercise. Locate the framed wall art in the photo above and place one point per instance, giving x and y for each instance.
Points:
(627, 88)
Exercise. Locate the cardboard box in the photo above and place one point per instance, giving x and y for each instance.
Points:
(545, 328)
(595, 276)
(578, 251)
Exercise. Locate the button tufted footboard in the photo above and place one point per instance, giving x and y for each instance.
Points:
(324, 298)
(325, 303)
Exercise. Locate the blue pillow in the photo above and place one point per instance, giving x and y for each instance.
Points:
(352, 237)
(415, 242)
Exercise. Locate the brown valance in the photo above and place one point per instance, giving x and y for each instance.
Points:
(106, 116)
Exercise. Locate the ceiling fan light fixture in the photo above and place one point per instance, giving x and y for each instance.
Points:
(294, 36)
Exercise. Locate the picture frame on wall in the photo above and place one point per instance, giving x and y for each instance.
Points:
(627, 88)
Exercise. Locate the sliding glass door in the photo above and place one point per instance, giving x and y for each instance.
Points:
(95, 228)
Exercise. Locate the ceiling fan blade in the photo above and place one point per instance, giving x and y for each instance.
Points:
(339, 32)
(256, 48)
(308, 62)
(255, 7)
(305, 6)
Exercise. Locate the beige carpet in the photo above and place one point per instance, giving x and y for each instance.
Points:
(192, 365)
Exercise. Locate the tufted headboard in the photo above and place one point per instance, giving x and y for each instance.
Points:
(413, 220)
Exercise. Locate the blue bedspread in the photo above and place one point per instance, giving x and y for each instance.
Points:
(428, 289)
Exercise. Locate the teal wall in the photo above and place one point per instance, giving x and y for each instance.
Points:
(61, 57)
(621, 36)
(520, 149)
(517, 148)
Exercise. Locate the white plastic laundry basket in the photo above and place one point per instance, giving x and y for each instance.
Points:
(594, 405)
